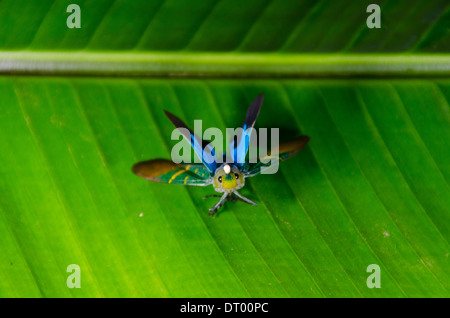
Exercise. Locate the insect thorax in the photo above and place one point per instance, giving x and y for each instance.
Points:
(228, 182)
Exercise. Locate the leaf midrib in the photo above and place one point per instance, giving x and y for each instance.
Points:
(203, 64)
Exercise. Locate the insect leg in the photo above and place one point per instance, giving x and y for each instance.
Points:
(212, 195)
(218, 205)
(244, 198)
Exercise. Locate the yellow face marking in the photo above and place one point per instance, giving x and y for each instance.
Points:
(175, 175)
(229, 184)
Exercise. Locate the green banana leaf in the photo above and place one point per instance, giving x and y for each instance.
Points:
(78, 107)
(225, 26)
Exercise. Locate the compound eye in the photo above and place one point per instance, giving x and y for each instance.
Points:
(220, 179)
(237, 176)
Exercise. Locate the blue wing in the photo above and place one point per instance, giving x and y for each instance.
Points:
(207, 156)
(240, 143)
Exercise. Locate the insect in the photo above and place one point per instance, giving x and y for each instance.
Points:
(228, 177)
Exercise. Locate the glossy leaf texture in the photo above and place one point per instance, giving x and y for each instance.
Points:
(371, 187)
